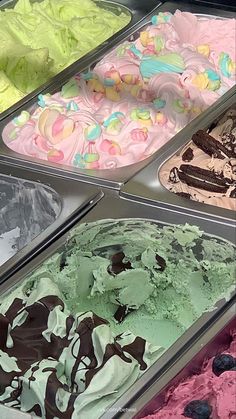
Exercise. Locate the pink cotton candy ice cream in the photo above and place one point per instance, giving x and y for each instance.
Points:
(215, 387)
(135, 99)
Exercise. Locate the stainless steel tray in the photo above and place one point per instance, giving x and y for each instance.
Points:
(107, 178)
(136, 9)
(115, 207)
(75, 199)
(146, 186)
(217, 335)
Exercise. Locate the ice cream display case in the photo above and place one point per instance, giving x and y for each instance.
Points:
(46, 40)
(102, 340)
(202, 372)
(196, 172)
(34, 210)
(104, 124)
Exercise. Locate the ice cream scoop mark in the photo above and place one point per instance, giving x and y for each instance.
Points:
(188, 154)
(161, 262)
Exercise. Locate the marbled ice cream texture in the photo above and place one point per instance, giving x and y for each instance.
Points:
(39, 39)
(205, 169)
(83, 327)
(135, 99)
(211, 394)
(26, 210)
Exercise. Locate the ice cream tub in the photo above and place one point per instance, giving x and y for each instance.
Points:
(34, 210)
(156, 185)
(80, 128)
(217, 339)
(114, 301)
(66, 24)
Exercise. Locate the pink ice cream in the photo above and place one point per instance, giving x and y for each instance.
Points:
(135, 99)
(208, 395)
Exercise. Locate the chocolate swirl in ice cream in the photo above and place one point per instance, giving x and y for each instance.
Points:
(205, 169)
(49, 358)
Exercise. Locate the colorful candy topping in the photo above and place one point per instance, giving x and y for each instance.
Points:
(204, 49)
(54, 126)
(70, 89)
(209, 79)
(159, 103)
(72, 106)
(22, 119)
(227, 65)
(79, 161)
(92, 132)
(41, 101)
(55, 155)
(139, 135)
(168, 63)
(161, 18)
(114, 123)
(130, 79)
(142, 116)
(161, 119)
(112, 78)
(110, 147)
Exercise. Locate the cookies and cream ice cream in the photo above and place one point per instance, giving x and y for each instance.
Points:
(39, 39)
(205, 169)
(135, 99)
(83, 327)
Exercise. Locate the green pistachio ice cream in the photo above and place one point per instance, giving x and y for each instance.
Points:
(81, 329)
(39, 39)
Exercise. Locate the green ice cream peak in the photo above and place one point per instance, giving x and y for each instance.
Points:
(129, 269)
(40, 39)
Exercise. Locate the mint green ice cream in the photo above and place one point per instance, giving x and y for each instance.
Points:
(83, 327)
(163, 277)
